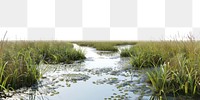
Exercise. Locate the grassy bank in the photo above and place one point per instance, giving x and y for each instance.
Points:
(176, 66)
(57, 52)
(105, 45)
(19, 61)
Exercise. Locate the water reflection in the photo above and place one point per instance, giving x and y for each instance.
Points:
(103, 75)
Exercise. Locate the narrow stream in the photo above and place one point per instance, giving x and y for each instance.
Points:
(101, 76)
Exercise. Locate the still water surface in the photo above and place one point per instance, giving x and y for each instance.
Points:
(101, 76)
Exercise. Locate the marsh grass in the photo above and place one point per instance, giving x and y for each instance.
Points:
(59, 52)
(105, 45)
(126, 52)
(174, 66)
(19, 61)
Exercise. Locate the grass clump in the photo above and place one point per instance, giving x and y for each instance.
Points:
(58, 52)
(105, 45)
(17, 67)
(145, 55)
(126, 52)
(19, 61)
(175, 66)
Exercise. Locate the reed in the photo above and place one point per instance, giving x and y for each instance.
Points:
(174, 66)
(20, 61)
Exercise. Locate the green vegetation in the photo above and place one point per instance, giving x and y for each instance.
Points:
(176, 66)
(173, 67)
(19, 61)
(126, 52)
(105, 45)
(57, 52)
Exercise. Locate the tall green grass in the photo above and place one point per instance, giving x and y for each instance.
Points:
(58, 52)
(176, 66)
(19, 61)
